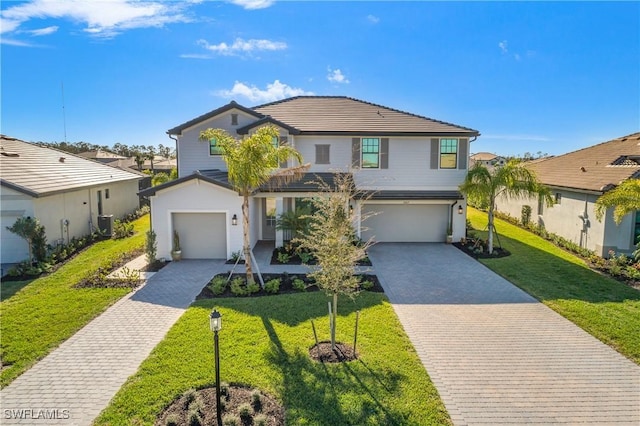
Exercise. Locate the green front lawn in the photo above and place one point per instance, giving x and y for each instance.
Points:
(265, 343)
(604, 307)
(9, 288)
(49, 310)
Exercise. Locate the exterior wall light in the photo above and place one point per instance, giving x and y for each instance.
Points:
(460, 210)
(234, 220)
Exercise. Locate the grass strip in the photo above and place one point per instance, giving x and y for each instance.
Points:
(265, 343)
(604, 307)
(48, 310)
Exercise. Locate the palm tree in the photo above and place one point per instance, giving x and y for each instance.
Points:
(625, 198)
(513, 180)
(252, 162)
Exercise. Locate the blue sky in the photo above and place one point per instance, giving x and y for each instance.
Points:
(540, 76)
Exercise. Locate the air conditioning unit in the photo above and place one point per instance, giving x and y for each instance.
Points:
(105, 225)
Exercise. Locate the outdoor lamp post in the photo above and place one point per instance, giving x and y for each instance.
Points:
(215, 322)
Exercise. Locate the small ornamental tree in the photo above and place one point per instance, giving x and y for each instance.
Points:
(330, 237)
(483, 185)
(34, 234)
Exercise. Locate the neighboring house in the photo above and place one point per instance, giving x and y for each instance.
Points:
(66, 193)
(412, 164)
(487, 159)
(102, 156)
(576, 180)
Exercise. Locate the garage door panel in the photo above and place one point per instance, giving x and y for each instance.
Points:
(406, 222)
(202, 235)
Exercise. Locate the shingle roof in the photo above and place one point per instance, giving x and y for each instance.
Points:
(40, 171)
(344, 115)
(593, 168)
(337, 115)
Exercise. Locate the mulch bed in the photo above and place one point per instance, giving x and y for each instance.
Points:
(295, 259)
(286, 285)
(99, 280)
(473, 252)
(322, 352)
(179, 410)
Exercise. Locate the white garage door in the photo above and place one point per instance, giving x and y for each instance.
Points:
(404, 223)
(202, 235)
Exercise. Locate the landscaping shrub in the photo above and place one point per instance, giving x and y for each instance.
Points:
(122, 229)
(299, 285)
(526, 214)
(218, 285)
(239, 287)
(284, 257)
(260, 420)
(172, 420)
(245, 411)
(366, 285)
(272, 286)
(231, 420)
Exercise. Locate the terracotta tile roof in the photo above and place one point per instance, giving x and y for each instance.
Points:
(40, 171)
(483, 156)
(344, 115)
(596, 168)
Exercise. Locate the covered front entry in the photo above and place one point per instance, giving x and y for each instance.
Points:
(405, 223)
(202, 235)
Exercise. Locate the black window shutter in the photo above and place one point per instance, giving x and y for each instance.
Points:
(435, 152)
(384, 153)
(462, 153)
(355, 152)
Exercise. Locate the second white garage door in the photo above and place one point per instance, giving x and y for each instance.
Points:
(404, 223)
(202, 235)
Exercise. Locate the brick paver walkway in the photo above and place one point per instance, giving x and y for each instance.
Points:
(74, 383)
(495, 354)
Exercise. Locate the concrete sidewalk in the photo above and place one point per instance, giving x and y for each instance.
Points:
(497, 355)
(76, 381)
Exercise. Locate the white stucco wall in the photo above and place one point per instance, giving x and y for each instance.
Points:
(194, 154)
(564, 219)
(409, 164)
(78, 207)
(195, 196)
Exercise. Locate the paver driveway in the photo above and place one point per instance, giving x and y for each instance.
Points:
(495, 354)
(74, 383)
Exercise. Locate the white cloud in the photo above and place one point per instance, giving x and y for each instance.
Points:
(44, 31)
(11, 42)
(503, 46)
(102, 18)
(373, 19)
(274, 91)
(253, 4)
(336, 76)
(241, 46)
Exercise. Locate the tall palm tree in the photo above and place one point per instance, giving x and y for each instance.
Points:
(484, 184)
(625, 198)
(252, 162)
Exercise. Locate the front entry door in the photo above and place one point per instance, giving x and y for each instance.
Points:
(268, 218)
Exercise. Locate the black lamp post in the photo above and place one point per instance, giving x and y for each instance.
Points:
(215, 321)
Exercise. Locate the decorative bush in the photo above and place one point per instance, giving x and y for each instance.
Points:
(366, 285)
(284, 257)
(272, 286)
(299, 285)
(526, 214)
(245, 410)
(218, 285)
(231, 420)
(122, 229)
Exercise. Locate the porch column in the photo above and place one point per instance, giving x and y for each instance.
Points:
(279, 211)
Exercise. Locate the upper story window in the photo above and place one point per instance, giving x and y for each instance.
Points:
(234, 119)
(322, 154)
(370, 153)
(214, 149)
(275, 141)
(448, 153)
(558, 198)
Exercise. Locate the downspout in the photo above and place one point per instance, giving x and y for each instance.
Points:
(451, 216)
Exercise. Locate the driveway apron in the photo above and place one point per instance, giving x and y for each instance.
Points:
(74, 383)
(496, 354)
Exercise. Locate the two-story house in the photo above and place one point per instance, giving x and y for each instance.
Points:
(411, 164)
